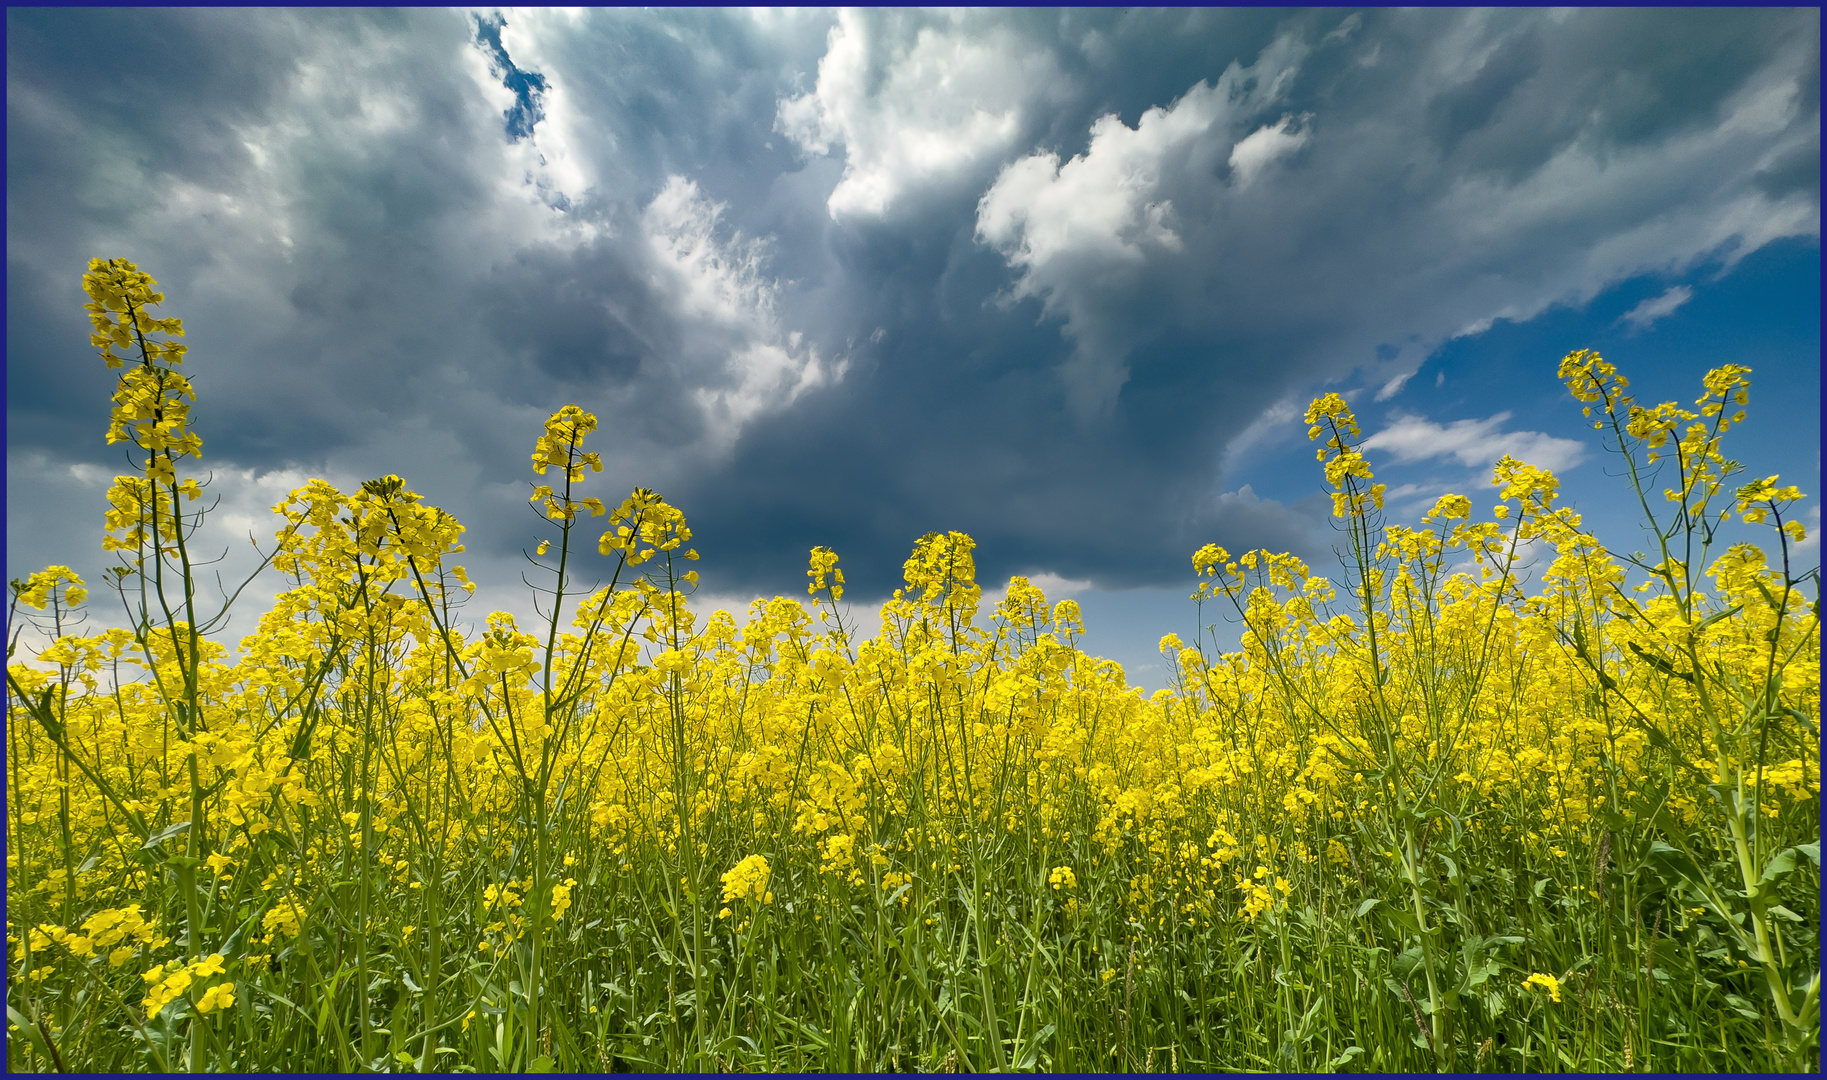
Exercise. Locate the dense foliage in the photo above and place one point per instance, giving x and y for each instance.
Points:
(1493, 798)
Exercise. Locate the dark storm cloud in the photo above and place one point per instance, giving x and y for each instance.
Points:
(816, 272)
(298, 272)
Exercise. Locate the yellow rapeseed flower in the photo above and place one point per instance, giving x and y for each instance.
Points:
(1546, 982)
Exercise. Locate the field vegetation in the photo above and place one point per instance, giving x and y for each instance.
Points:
(1491, 796)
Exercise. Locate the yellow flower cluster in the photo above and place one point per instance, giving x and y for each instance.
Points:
(282, 920)
(1259, 895)
(748, 880)
(151, 404)
(561, 898)
(40, 589)
(1548, 983)
(824, 565)
(170, 982)
(106, 932)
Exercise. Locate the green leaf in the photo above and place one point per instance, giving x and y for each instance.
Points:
(1032, 1054)
(1479, 973)
(1658, 662)
(1742, 1007)
(165, 834)
(1672, 862)
(1365, 907)
(49, 719)
(542, 1064)
(1717, 616)
(232, 947)
(1780, 864)
(31, 1032)
(1401, 919)
(1342, 1059)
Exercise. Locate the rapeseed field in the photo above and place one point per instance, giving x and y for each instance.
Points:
(1435, 813)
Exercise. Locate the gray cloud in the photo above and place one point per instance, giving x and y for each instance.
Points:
(844, 280)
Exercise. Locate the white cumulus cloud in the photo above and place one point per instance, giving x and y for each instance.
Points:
(1104, 203)
(721, 289)
(911, 110)
(1475, 443)
(1259, 149)
(1656, 307)
(1071, 228)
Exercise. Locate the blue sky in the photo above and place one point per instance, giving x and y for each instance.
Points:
(1064, 280)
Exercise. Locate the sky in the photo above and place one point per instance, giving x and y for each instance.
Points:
(1064, 280)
